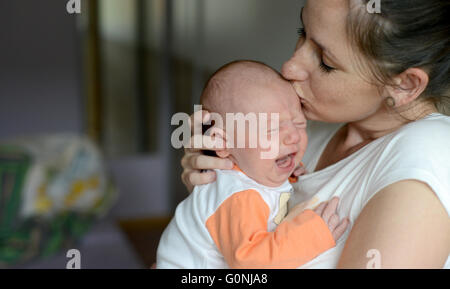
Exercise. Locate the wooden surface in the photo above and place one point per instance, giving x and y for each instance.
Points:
(144, 235)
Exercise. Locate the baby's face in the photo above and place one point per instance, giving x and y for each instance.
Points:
(276, 97)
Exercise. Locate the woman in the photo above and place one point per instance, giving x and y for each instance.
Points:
(379, 85)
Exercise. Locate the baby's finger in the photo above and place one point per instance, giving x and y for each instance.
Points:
(333, 222)
(299, 171)
(320, 208)
(330, 209)
(340, 229)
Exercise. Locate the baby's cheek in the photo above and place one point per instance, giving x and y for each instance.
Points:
(303, 142)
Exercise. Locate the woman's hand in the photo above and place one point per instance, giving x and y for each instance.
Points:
(197, 167)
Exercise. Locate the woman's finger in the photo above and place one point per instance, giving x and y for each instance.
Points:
(196, 178)
(186, 159)
(206, 142)
(202, 162)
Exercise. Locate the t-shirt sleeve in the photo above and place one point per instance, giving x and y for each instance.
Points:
(421, 154)
(239, 230)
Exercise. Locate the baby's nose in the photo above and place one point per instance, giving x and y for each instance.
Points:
(291, 136)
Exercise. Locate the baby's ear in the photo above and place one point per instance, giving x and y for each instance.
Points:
(219, 140)
(223, 153)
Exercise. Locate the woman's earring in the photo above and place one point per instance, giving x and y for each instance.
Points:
(390, 101)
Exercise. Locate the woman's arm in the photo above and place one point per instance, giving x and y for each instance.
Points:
(408, 226)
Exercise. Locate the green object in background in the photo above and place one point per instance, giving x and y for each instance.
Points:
(25, 237)
(13, 167)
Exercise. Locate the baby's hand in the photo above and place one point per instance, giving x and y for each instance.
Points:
(299, 170)
(328, 212)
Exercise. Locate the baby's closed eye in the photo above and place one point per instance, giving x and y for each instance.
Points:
(300, 124)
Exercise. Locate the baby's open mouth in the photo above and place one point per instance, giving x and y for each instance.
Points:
(286, 161)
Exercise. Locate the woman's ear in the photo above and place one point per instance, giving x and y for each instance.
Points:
(408, 86)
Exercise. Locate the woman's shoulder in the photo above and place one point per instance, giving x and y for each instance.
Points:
(418, 151)
(428, 134)
(435, 121)
(424, 143)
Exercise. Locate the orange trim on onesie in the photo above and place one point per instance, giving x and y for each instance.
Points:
(239, 230)
(236, 168)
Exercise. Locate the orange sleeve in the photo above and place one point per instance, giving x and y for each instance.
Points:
(239, 230)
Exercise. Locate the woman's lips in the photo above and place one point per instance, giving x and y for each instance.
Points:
(298, 90)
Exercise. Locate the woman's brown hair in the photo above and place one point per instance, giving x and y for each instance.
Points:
(407, 33)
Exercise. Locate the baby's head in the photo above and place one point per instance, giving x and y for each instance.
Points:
(252, 87)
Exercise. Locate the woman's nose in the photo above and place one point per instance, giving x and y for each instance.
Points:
(293, 69)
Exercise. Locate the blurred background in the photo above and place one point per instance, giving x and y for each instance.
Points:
(85, 103)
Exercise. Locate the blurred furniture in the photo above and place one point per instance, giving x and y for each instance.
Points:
(55, 195)
(144, 235)
(105, 246)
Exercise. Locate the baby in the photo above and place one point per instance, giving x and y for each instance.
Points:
(239, 221)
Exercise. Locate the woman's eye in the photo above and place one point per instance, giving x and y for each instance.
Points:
(301, 32)
(325, 68)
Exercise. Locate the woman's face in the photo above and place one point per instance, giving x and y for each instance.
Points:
(324, 68)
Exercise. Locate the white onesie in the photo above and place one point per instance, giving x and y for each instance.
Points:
(233, 223)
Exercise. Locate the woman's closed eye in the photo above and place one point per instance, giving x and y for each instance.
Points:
(301, 32)
(324, 67)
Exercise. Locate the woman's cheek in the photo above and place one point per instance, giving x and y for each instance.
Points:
(324, 88)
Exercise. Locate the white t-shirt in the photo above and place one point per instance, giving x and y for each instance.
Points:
(419, 150)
